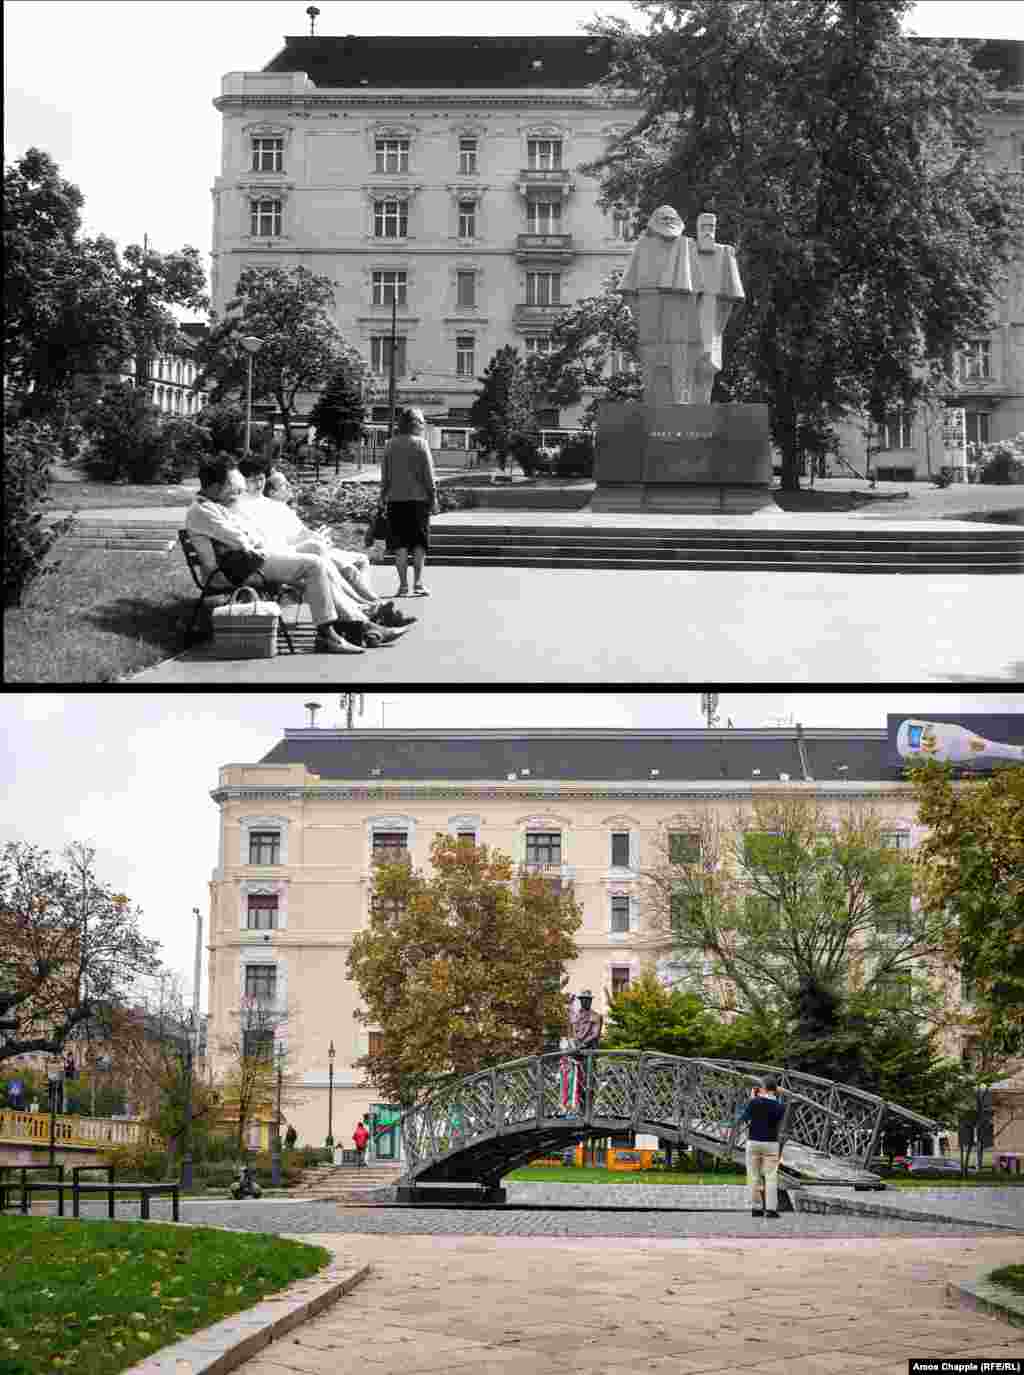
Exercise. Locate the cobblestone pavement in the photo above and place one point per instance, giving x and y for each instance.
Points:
(277, 1216)
(1004, 1206)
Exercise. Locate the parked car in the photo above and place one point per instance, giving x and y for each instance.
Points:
(927, 1164)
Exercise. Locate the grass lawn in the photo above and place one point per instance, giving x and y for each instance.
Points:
(1010, 1277)
(110, 496)
(95, 1297)
(107, 613)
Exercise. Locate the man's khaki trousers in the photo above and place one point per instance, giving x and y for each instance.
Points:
(763, 1174)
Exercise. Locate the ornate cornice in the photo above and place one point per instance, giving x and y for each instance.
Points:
(300, 105)
(699, 792)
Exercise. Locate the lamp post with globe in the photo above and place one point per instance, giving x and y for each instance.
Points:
(252, 346)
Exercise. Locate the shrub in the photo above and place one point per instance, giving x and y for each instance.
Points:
(576, 458)
(184, 445)
(224, 422)
(344, 502)
(138, 1161)
(29, 451)
(124, 436)
(1001, 462)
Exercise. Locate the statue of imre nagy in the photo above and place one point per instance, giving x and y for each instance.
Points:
(681, 292)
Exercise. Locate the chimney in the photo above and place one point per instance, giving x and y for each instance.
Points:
(312, 708)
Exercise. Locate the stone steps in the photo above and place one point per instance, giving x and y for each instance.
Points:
(157, 537)
(842, 551)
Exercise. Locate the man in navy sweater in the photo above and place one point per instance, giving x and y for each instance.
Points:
(764, 1113)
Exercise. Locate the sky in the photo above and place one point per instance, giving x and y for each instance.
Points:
(130, 774)
(120, 94)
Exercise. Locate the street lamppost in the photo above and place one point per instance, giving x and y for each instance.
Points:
(55, 1083)
(252, 345)
(186, 1158)
(330, 1097)
(275, 1145)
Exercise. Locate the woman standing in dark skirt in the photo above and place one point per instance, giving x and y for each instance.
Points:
(409, 487)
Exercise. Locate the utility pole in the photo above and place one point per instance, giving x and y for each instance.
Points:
(351, 705)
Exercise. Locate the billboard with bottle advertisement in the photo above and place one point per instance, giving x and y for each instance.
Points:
(971, 742)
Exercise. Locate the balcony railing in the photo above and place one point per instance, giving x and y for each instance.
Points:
(548, 246)
(539, 317)
(549, 178)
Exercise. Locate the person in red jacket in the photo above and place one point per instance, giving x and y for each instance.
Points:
(360, 1136)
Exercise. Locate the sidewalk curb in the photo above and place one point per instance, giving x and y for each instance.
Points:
(804, 1204)
(980, 1295)
(227, 1344)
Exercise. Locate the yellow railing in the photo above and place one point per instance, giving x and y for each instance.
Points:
(33, 1129)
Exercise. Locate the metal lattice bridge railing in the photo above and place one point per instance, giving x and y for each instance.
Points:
(474, 1131)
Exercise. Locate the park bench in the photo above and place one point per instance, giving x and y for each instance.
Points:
(145, 1191)
(24, 1170)
(215, 588)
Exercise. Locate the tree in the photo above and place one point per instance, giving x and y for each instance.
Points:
(250, 1056)
(846, 162)
(969, 872)
(461, 968)
(340, 411)
(503, 409)
(69, 946)
(588, 339)
(675, 1021)
(789, 906)
(289, 310)
(125, 439)
(30, 450)
(73, 308)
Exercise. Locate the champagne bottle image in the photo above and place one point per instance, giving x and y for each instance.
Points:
(951, 744)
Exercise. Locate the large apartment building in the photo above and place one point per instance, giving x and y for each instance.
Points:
(438, 176)
(299, 830)
(442, 175)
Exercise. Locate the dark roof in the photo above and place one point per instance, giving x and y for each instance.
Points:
(484, 61)
(584, 755)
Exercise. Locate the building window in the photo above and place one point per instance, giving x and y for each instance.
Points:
(380, 355)
(264, 847)
(544, 217)
(620, 849)
(620, 979)
(375, 1043)
(261, 912)
(623, 222)
(268, 154)
(258, 1045)
(543, 847)
(261, 982)
(683, 848)
(468, 149)
(265, 218)
(389, 285)
(390, 845)
(538, 346)
(976, 360)
(543, 288)
(392, 155)
(620, 916)
(390, 219)
(977, 427)
(468, 836)
(465, 288)
(467, 219)
(544, 154)
(896, 433)
(465, 356)
(896, 840)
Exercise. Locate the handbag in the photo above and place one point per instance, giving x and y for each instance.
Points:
(246, 628)
(379, 528)
(239, 564)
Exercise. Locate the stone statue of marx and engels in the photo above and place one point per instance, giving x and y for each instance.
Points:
(674, 450)
(681, 292)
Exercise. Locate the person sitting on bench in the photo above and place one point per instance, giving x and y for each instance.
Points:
(282, 528)
(225, 539)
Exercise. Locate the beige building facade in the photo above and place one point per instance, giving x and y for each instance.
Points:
(299, 831)
(439, 176)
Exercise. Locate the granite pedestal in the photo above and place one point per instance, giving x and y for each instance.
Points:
(703, 459)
